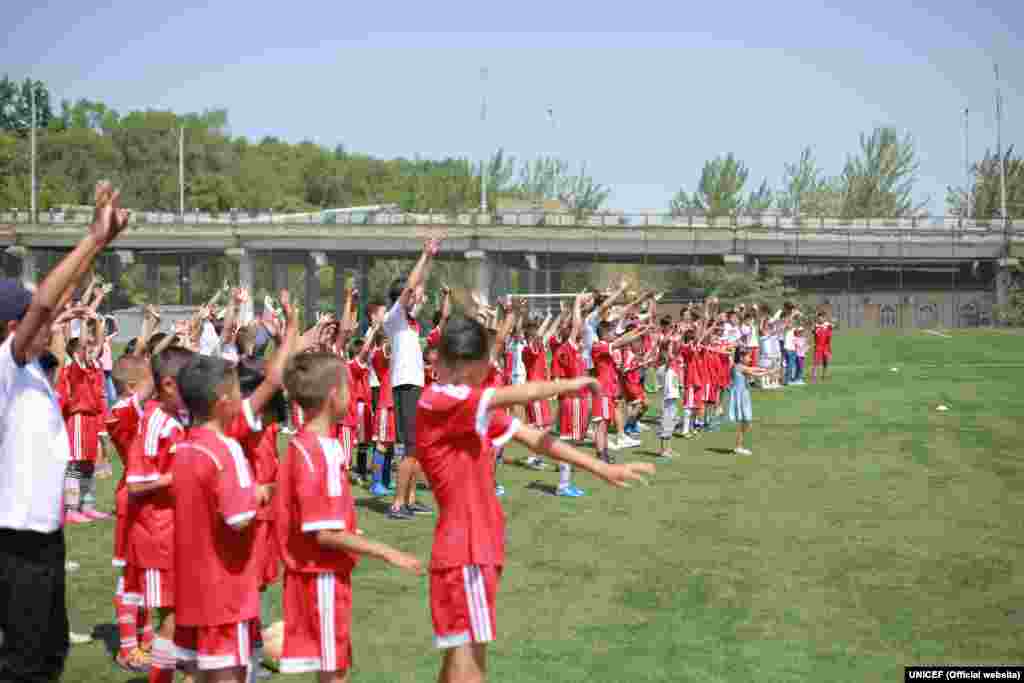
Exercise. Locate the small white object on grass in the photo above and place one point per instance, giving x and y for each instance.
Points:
(942, 408)
(894, 369)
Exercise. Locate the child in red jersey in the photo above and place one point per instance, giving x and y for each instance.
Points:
(459, 425)
(151, 505)
(384, 431)
(359, 371)
(81, 387)
(316, 527)
(134, 384)
(636, 358)
(214, 503)
(535, 359)
(822, 347)
(607, 374)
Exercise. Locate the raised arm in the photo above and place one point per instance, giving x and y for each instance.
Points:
(421, 272)
(274, 378)
(523, 394)
(109, 220)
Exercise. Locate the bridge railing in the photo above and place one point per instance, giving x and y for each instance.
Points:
(774, 220)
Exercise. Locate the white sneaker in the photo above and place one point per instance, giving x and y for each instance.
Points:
(642, 427)
(629, 442)
(742, 451)
(614, 445)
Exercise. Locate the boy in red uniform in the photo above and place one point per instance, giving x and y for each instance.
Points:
(383, 422)
(216, 591)
(602, 354)
(459, 425)
(359, 371)
(316, 527)
(134, 384)
(822, 347)
(81, 387)
(151, 505)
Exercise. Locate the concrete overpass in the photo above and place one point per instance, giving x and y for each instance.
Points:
(814, 253)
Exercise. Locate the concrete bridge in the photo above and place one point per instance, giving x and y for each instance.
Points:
(821, 254)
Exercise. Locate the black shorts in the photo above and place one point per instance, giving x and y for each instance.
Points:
(33, 615)
(406, 398)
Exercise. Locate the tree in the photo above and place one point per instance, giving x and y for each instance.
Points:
(548, 178)
(879, 181)
(983, 199)
(761, 199)
(720, 190)
(799, 181)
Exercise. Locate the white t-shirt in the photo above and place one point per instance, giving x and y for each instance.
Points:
(670, 389)
(406, 353)
(518, 366)
(589, 335)
(209, 340)
(34, 447)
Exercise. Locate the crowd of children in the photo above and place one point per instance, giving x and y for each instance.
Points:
(207, 516)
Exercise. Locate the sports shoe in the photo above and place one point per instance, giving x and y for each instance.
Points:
(568, 492)
(419, 509)
(96, 515)
(614, 445)
(379, 490)
(667, 455)
(400, 513)
(499, 490)
(742, 451)
(576, 490)
(71, 566)
(134, 662)
(629, 442)
(79, 638)
(535, 463)
(76, 517)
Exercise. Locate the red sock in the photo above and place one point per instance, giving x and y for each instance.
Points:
(126, 625)
(145, 625)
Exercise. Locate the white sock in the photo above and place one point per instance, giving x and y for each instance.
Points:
(687, 420)
(164, 654)
(564, 475)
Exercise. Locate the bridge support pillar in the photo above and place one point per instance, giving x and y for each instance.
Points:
(1004, 278)
(185, 279)
(482, 272)
(363, 265)
(152, 279)
(29, 262)
(312, 283)
(741, 263)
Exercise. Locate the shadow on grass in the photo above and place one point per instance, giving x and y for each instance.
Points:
(542, 487)
(381, 505)
(720, 451)
(109, 636)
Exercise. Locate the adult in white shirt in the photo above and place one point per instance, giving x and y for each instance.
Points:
(604, 304)
(407, 376)
(34, 451)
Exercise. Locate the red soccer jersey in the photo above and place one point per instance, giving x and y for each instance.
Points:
(434, 338)
(429, 375)
(382, 368)
(264, 463)
(604, 362)
(359, 372)
(122, 425)
(313, 495)
(535, 358)
(82, 389)
(456, 434)
(823, 336)
(151, 516)
(631, 373)
(214, 498)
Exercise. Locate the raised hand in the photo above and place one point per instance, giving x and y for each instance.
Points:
(623, 476)
(109, 219)
(433, 246)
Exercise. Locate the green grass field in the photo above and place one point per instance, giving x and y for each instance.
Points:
(866, 533)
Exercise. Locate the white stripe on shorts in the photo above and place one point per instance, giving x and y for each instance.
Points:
(325, 603)
(476, 597)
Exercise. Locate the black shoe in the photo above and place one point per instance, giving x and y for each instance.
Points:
(400, 513)
(610, 459)
(418, 509)
(263, 673)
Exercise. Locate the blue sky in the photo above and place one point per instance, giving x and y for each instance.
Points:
(642, 92)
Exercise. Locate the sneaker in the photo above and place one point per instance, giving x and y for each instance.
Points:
(419, 509)
(629, 442)
(577, 491)
(71, 566)
(568, 492)
(747, 451)
(611, 459)
(378, 490)
(615, 445)
(742, 451)
(499, 490)
(535, 464)
(96, 515)
(134, 662)
(667, 455)
(400, 513)
(641, 427)
(76, 517)
(79, 638)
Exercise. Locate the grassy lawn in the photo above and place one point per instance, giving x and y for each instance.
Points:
(866, 533)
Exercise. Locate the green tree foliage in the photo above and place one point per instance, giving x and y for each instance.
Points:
(720, 190)
(799, 182)
(879, 181)
(984, 197)
(548, 178)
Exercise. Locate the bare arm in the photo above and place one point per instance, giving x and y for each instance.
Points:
(616, 475)
(141, 489)
(275, 368)
(421, 272)
(522, 394)
(353, 543)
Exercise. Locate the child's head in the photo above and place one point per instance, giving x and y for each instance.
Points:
(130, 373)
(154, 342)
(604, 330)
(166, 367)
(530, 329)
(665, 322)
(246, 341)
(75, 348)
(356, 347)
(209, 389)
(465, 350)
(316, 381)
(741, 356)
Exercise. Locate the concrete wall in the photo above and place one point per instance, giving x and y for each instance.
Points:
(907, 308)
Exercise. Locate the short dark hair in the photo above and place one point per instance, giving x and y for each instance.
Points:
(666, 320)
(464, 340)
(154, 342)
(199, 382)
(310, 378)
(169, 363)
(72, 346)
(604, 327)
(396, 289)
(125, 369)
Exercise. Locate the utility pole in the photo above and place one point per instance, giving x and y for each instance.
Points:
(181, 172)
(483, 129)
(968, 189)
(32, 153)
(999, 147)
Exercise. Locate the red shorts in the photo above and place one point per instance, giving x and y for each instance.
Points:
(364, 424)
(604, 408)
(120, 526)
(822, 355)
(573, 418)
(754, 351)
(694, 397)
(227, 646)
(384, 425)
(317, 623)
(84, 435)
(538, 414)
(264, 552)
(462, 604)
(156, 586)
(713, 394)
(634, 393)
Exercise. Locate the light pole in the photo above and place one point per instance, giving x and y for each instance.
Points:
(181, 173)
(32, 152)
(483, 133)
